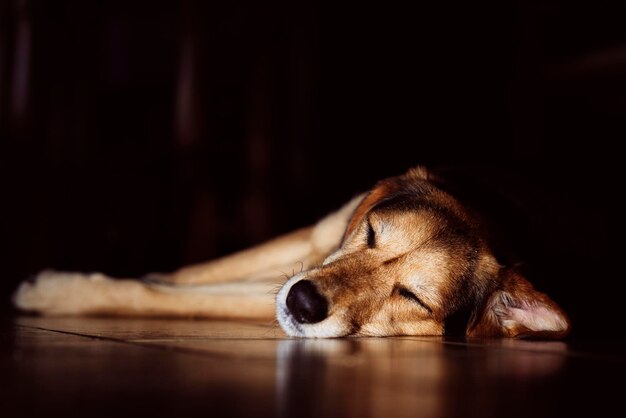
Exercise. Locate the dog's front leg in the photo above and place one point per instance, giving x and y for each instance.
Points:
(256, 262)
(63, 293)
(297, 250)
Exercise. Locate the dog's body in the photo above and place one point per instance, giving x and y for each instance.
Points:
(407, 258)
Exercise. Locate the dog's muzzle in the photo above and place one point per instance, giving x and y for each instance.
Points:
(305, 304)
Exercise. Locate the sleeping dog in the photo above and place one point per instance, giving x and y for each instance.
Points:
(406, 258)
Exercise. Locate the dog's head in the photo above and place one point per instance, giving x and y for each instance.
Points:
(413, 261)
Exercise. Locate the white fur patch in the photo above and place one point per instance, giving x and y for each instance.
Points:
(286, 321)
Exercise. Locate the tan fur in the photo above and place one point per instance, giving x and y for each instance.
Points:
(400, 260)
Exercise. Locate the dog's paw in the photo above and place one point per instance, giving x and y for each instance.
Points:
(53, 292)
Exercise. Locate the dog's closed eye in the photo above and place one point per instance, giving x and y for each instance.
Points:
(407, 294)
(371, 236)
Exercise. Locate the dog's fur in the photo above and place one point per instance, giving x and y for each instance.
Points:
(407, 258)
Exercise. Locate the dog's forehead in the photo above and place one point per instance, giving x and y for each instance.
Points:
(401, 232)
(394, 193)
(413, 215)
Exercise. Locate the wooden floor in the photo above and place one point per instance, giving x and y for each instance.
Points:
(92, 367)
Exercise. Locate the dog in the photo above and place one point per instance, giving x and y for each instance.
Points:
(405, 258)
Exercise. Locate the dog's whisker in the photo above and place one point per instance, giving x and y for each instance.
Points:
(275, 290)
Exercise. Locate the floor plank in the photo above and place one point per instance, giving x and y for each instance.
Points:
(119, 367)
(155, 328)
(50, 373)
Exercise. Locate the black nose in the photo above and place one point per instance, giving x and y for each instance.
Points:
(305, 304)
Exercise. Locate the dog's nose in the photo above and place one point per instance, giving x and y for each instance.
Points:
(305, 304)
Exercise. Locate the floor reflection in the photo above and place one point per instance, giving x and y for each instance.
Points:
(358, 378)
(406, 377)
(212, 368)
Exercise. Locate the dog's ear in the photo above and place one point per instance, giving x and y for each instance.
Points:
(516, 309)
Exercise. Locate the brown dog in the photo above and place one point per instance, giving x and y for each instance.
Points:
(404, 259)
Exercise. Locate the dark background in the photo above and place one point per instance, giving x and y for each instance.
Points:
(140, 136)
